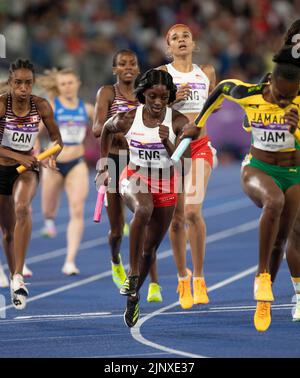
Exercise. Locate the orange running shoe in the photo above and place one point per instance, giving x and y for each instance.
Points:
(262, 316)
(185, 294)
(263, 288)
(200, 291)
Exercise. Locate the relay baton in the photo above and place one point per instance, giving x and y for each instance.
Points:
(99, 203)
(50, 151)
(183, 145)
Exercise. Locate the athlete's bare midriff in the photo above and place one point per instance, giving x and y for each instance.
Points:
(8, 161)
(69, 153)
(282, 159)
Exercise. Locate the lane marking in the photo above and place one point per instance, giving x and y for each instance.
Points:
(136, 331)
(245, 227)
(109, 315)
(211, 211)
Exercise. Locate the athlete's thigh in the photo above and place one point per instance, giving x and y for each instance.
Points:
(179, 207)
(291, 207)
(135, 194)
(196, 184)
(52, 184)
(259, 186)
(158, 226)
(25, 187)
(77, 183)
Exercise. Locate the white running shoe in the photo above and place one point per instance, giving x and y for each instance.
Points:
(296, 314)
(70, 269)
(19, 292)
(26, 271)
(49, 230)
(3, 278)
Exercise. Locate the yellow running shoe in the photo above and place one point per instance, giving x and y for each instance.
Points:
(263, 288)
(118, 273)
(126, 229)
(186, 299)
(154, 293)
(200, 291)
(262, 316)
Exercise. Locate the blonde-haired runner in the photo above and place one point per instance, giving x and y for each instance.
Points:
(73, 116)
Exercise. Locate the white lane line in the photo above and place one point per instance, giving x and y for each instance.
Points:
(215, 237)
(62, 315)
(109, 315)
(208, 212)
(62, 251)
(226, 207)
(130, 355)
(136, 331)
(211, 211)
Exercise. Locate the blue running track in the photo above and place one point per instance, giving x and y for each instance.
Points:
(82, 316)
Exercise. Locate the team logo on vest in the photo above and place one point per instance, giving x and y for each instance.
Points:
(34, 119)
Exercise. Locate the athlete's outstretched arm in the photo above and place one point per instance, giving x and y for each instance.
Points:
(231, 89)
(119, 123)
(234, 90)
(104, 100)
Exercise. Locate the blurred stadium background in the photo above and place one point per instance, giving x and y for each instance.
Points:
(238, 37)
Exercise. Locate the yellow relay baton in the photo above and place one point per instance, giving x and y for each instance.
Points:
(43, 155)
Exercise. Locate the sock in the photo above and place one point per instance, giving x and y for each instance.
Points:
(183, 278)
(198, 278)
(49, 223)
(296, 284)
(120, 261)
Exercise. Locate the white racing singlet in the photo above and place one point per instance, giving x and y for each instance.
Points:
(19, 133)
(145, 146)
(199, 84)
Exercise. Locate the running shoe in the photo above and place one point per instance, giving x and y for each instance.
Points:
(70, 269)
(118, 273)
(132, 312)
(263, 288)
(26, 271)
(262, 316)
(296, 314)
(19, 292)
(154, 293)
(200, 291)
(3, 278)
(49, 230)
(186, 299)
(130, 285)
(126, 229)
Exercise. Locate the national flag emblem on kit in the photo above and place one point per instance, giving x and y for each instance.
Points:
(34, 119)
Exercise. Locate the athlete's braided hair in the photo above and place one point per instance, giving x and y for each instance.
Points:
(19, 64)
(287, 63)
(154, 77)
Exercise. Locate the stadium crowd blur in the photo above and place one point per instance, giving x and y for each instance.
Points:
(238, 37)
